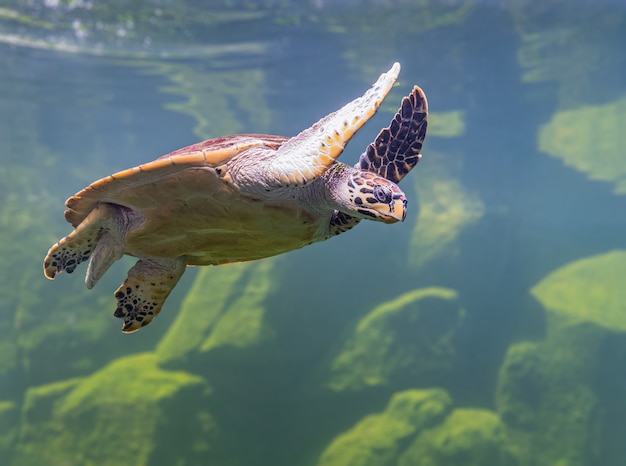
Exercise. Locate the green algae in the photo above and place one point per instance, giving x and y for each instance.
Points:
(9, 422)
(126, 403)
(6, 407)
(546, 391)
(446, 124)
(446, 209)
(242, 325)
(38, 426)
(228, 103)
(471, 437)
(580, 52)
(40, 400)
(372, 354)
(545, 396)
(24, 213)
(187, 333)
(231, 300)
(587, 290)
(40, 338)
(590, 139)
(581, 56)
(378, 439)
(144, 382)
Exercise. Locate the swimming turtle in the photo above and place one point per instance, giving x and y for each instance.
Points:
(239, 198)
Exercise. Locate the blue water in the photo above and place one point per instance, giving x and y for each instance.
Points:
(515, 235)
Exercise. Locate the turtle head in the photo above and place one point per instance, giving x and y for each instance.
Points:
(367, 195)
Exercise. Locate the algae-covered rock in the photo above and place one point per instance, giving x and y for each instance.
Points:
(545, 397)
(9, 417)
(587, 290)
(378, 439)
(128, 413)
(547, 391)
(43, 336)
(224, 308)
(409, 337)
(580, 52)
(233, 95)
(446, 209)
(590, 139)
(446, 124)
(580, 56)
(468, 437)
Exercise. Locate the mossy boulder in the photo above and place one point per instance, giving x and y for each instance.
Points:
(128, 413)
(378, 439)
(571, 135)
(404, 340)
(468, 437)
(48, 331)
(446, 209)
(9, 417)
(585, 29)
(587, 290)
(233, 95)
(546, 399)
(51, 331)
(449, 124)
(225, 308)
(548, 393)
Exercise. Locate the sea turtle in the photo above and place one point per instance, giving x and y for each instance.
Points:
(239, 198)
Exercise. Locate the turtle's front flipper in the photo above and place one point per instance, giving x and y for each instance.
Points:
(396, 149)
(306, 156)
(99, 237)
(146, 288)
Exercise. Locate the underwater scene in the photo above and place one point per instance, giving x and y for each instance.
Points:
(487, 328)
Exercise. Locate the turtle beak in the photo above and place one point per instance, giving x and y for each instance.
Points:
(397, 210)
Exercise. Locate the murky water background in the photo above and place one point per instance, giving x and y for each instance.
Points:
(487, 329)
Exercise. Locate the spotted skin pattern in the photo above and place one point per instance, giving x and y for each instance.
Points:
(149, 282)
(396, 149)
(142, 294)
(368, 188)
(394, 152)
(65, 255)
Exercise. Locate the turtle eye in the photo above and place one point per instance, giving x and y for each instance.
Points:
(383, 194)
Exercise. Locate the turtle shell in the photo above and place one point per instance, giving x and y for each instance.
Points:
(190, 208)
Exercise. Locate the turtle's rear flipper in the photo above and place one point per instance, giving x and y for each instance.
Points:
(146, 288)
(78, 246)
(101, 236)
